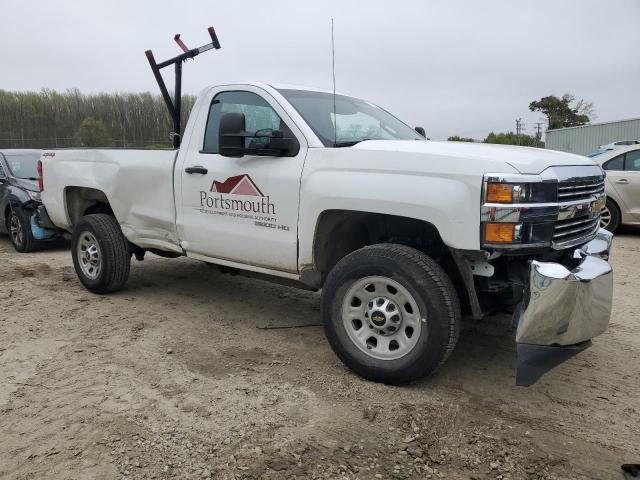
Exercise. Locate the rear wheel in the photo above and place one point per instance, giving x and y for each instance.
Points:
(19, 226)
(101, 254)
(610, 216)
(390, 313)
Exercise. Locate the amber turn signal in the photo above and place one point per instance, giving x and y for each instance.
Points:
(499, 192)
(499, 232)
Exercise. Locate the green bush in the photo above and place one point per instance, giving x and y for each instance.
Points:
(93, 133)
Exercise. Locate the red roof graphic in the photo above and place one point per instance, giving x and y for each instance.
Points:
(238, 185)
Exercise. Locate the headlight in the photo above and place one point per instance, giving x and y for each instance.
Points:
(35, 196)
(502, 192)
(499, 192)
(517, 211)
(502, 232)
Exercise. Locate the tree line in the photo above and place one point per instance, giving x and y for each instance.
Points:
(561, 112)
(49, 119)
(504, 138)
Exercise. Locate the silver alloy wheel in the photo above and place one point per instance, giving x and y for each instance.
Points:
(605, 217)
(89, 255)
(17, 233)
(381, 317)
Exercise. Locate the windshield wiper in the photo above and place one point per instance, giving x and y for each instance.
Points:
(349, 143)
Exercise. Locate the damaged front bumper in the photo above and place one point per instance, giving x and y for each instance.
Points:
(562, 310)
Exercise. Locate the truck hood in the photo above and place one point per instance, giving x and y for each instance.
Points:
(525, 160)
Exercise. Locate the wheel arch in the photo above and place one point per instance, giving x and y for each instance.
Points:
(81, 201)
(13, 201)
(340, 232)
(622, 215)
(616, 203)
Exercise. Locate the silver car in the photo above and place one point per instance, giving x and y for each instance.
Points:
(622, 186)
(619, 144)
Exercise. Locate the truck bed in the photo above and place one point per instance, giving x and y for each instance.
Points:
(138, 184)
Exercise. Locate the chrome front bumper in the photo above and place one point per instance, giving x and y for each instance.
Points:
(563, 310)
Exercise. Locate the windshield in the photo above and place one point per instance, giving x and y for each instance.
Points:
(23, 165)
(354, 121)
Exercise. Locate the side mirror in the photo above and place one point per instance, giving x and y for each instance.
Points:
(421, 131)
(232, 138)
(230, 135)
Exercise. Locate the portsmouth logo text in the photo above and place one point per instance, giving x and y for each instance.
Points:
(232, 195)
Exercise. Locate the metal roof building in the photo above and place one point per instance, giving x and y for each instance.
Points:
(587, 138)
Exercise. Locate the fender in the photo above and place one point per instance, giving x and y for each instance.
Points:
(19, 196)
(16, 197)
(436, 190)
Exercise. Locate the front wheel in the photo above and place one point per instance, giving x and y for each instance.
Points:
(390, 313)
(101, 254)
(610, 216)
(20, 231)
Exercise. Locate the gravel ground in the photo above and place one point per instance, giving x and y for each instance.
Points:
(181, 375)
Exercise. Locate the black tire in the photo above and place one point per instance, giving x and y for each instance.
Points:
(114, 253)
(19, 228)
(615, 215)
(433, 293)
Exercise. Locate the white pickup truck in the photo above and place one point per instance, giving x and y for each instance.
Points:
(403, 235)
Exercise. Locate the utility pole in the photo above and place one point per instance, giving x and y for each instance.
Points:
(519, 126)
(538, 133)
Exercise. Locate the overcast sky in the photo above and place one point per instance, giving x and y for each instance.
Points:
(461, 67)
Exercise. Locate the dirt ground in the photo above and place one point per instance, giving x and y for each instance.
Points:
(177, 377)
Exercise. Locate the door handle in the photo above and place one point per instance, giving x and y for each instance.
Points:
(623, 181)
(196, 169)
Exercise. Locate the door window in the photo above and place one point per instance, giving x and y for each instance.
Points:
(3, 175)
(632, 161)
(616, 163)
(258, 114)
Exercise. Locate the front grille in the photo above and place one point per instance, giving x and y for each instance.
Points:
(585, 189)
(567, 231)
(581, 224)
(566, 216)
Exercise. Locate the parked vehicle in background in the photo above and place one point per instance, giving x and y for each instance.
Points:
(613, 146)
(20, 199)
(622, 185)
(618, 144)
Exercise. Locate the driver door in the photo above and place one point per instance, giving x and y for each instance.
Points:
(241, 210)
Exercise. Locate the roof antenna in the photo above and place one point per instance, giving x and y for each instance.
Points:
(333, 71)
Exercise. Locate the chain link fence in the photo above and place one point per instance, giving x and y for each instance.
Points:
(67, 142)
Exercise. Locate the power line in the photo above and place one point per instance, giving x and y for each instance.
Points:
(538, 127)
